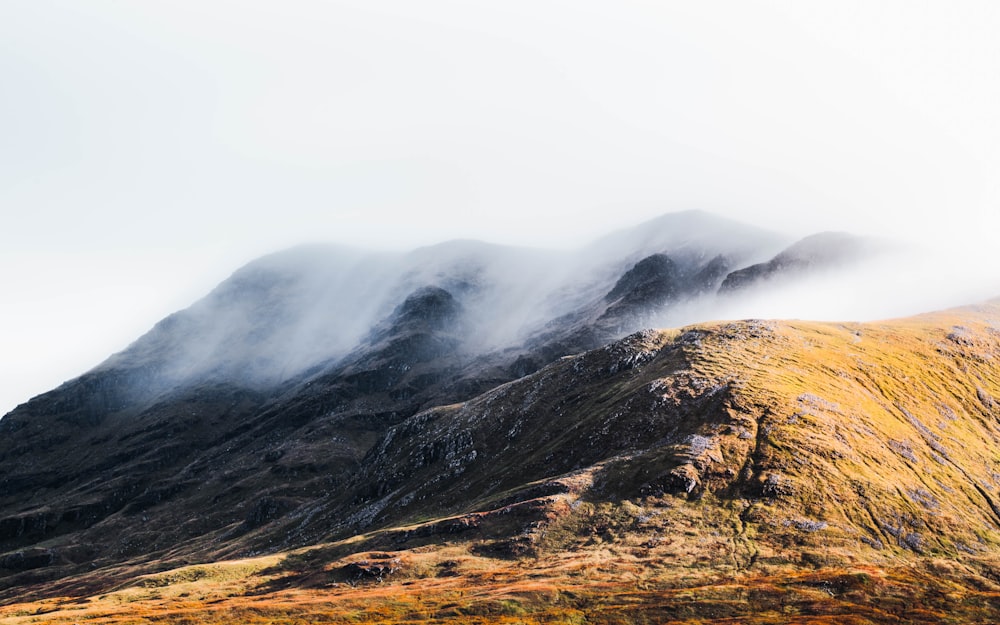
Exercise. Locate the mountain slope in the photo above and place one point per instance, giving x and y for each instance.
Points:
(756, 471)
(880, 435)
(257, 399)
(494, 396)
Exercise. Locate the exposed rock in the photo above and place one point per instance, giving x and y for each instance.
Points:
(267, 509)
(653, 280)
(27, 559)
(427, 309)
(824, 250)
(371, 569)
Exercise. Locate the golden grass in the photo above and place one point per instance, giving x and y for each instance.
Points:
(606, 589)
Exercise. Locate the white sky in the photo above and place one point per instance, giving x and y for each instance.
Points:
(148, 148)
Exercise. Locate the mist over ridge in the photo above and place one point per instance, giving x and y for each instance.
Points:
(297, 308)
(310, 307)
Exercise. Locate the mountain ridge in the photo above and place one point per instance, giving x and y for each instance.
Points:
(201, 442)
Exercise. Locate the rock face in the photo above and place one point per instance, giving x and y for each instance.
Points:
(427, 309)
(654, 284)
(322, 392)
(651, 282)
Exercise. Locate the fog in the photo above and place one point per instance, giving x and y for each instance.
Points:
(151, 149)
(899, 281)
(312, 307)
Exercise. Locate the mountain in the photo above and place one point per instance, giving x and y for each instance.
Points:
(825, 250)
(469, 416)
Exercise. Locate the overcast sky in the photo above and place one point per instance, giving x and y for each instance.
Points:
(148, 148)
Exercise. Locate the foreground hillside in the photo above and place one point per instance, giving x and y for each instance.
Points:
(736, 472)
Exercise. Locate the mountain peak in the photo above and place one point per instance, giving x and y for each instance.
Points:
(393, 421)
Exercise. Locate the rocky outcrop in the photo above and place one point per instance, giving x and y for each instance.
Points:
(825, 250)
(652, 282)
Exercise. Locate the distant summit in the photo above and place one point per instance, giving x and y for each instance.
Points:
(823, 251)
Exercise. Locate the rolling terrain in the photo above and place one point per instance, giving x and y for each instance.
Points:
(575, 468)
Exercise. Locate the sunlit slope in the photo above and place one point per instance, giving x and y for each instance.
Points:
(867, 439)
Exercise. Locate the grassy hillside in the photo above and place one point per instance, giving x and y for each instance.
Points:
(733, 472)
